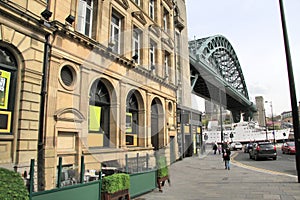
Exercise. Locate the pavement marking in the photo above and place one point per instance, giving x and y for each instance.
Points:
(236, 163)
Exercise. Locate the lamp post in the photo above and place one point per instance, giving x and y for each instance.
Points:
(292, 89)
(266, 125)
(271, 105)
(273, 123)
(221, 120)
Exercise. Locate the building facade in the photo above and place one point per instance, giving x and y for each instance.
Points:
(287, 118)
(22, 50)
(99, 79)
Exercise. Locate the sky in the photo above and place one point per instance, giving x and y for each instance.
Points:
(253, 28)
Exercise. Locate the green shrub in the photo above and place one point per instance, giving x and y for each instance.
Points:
(162, 170)
(115, 182)
(12, 186)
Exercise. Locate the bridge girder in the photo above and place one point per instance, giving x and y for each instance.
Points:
(220, 76)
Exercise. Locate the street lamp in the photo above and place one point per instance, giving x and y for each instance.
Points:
(221, 120)
(266, 125)
(271, 105)
(292, 88)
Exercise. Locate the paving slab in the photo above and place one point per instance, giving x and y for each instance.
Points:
(204, 177)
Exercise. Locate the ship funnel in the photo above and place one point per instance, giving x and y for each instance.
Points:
(242, 118)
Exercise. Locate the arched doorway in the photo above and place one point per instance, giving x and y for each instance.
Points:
(132, 120)
(99, 115)
(8, 80)
(157, 121)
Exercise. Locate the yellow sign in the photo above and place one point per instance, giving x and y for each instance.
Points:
(94, 118)
(4, 88)
(198, 129)
(5, 121)
(187, 129)
(131, 139)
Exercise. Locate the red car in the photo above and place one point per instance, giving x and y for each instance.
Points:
(288, 147)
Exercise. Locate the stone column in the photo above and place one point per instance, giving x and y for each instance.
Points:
(148, 120)
(142, 134)
(122, 113)
(84, 106)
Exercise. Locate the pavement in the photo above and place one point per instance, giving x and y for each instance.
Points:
(205, 177)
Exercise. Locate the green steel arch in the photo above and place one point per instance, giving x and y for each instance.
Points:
(216, 74)
(218, 51)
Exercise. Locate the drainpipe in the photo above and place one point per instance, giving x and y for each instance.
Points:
(44, 89)
(42, 118)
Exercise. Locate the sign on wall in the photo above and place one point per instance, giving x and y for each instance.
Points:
(5, 115)
(94, 118)
(4, 89)
(5, 119)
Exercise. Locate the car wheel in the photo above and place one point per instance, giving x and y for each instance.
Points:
(274, 158)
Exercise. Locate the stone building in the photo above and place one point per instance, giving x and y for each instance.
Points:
(260, 115)
(22, 71)
(99, 79)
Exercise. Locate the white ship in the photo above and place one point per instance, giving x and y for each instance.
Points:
(242, 132)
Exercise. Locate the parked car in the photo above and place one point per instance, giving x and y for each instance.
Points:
(263, 150)
(247, 147)
(288, 147)
(236, 146)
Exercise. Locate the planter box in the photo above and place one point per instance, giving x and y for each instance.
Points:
(123, 194)
(161, 182)
(162, 172)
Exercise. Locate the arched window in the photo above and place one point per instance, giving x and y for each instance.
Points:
(132, 120)
(8, 79)
(157, 124)
(99, 109)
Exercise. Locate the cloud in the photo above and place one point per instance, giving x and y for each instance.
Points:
(257, 89)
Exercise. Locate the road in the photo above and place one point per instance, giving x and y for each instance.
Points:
(284, 163)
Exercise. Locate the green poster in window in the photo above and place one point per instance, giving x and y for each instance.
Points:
(4, 88)
(94, 118)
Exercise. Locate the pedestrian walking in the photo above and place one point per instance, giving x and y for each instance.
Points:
(226, 158)
(215, 147)
(224, 146)
(219, 148)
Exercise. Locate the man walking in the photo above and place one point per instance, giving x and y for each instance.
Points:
(226, 158)
(215, 147)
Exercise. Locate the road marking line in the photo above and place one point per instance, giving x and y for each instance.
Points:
(234, 162)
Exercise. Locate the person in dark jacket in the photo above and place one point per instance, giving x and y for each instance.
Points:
(226, 158)
(215, 147)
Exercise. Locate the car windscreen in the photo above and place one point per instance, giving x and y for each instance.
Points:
(291, 143)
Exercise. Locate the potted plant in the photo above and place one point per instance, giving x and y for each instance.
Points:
(162, 172)
(116, 186)
(12, 185)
